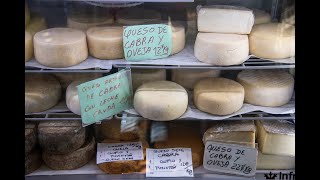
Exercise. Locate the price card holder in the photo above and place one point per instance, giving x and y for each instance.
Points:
(230, 158)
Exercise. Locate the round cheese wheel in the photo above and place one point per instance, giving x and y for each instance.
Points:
(221, 49)
(261, 17)
(61, 137)
(28, 45)
(218, 96)
(71, 160)
(272, 41)
(105, 42)
(30, 137)
(66, 79)
(141, 76)
(37, 23)
(60, 47)
(42, 92)
(83, 24)
(266, 87)
(178, 37)
(161, 100)
(26, 14)
(32, 162)
(136, 16)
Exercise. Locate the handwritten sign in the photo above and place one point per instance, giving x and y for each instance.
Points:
(104, 97)
(230, 158)
(143, 42)
(109, 152)
(171, 162)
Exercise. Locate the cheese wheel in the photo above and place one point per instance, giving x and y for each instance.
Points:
(136, 16)
(106, 42)
(221, 49)
(66, 79)
(28, 45)
(84, 24)
(61, 137)
(225, 19)
(30, 137)
(141, 76)
(160, 100)
(42, 92)
(32, 161)
(218, 96)
(261, 17)
(178, 37)
(272, 41)
(71, 160)
(60, 47)
(189, 77)
(37, 23)
(266, 87)
(26, 15)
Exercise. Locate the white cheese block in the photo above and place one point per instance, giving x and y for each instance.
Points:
(276, 137)
(218, 96)
(136, 16)
(105, 42)
(32, 162)
(26, 14)
(30, 137)
(267, 161)
(86, 23)
(272, 41)
(266, 87)
(28, 45)
(42, 92)
(225, 19)
(60, 47)
(37, 23)
(261, 17)
(189, 77)
(141, 76)
(160, 100)
(221, 49)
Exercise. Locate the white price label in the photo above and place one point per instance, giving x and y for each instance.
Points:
(230, 158)
(109, 152)
(171, 162)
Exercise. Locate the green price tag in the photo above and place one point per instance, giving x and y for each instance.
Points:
(104, 97)
(144, 42)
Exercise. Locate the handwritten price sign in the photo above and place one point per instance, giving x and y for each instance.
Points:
(229, 158)
(143, 42)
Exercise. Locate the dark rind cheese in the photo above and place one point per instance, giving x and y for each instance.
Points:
(30, 135)
(32, 161)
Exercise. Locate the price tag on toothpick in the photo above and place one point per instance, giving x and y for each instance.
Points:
(171, 162)
(230, 158)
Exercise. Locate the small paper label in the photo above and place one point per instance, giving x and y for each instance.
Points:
(109, 152)
(230, 158)
(171, 162)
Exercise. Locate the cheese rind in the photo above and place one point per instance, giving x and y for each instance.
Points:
(272, 41)
(221, 49)
(28, 45)
(160, 100)
(225, 19)
(141, 76)
(267, 161)
(84, 24)
(136, 16)
(261, 17)
(30, 135)
(218, 96)
(266, 87)
(37, 23)
(60, 47)
(32, 161)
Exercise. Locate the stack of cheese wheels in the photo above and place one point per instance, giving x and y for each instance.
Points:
(32, 152)
(42, 92)
(266, 87)
(136, 16)
(261, 17)
(141, 76)
(218, 96)
(188, 78)
(128, 166)
(161, 100)
(84, 23)
(272, 41)
(26, 14)
(28, 45)
(37, 23)
(60, 47)
(223, 35)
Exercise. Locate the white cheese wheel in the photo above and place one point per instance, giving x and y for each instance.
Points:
(86, 23)
(106, 42)
(221, 49)
(42, 92)
(136, 16)
(141, 76)
(225, 19)
(266, 87)
(160, 100)
(37, 23)
(261, 17)
(218, 96)
(28, 45)
(60, 47)
(272, 41)
(189, 77)
(178, 37)
(26, 14)
(67, 78)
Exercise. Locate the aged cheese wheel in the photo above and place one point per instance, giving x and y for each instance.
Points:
(221, 49)
(105, 42)
(178, 37)
(60, 47)
(71, 160)
(261, 17)
(61, 137)
(218, 96)
(42, 92)
(30, 137)
(136, 16)
(266, 87)
(141, 76)
(32, 161)
(66, 79)
(225, 19)
(84, 23)
(28, 45)
(37, 23)
(120, 167)
(189, 77)
(160, 100)
(26, 14)
(272, 41)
